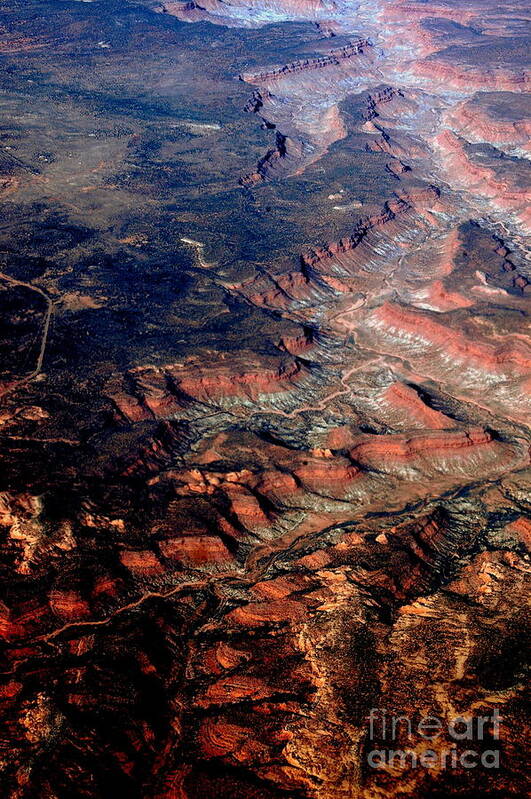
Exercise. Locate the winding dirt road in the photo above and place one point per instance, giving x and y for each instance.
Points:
(45, 332)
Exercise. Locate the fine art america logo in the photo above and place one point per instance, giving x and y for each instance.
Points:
(433, 743)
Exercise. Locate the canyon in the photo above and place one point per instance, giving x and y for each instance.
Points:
(264, 395)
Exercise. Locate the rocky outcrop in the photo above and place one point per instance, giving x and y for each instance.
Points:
(256, 102)
(477, 78)
(164, 392)
(331, 58)
(484, 181)
(418, 329)
(405, 398)
(485, 118)
(392, 209)
(377, 452)
(279, 161)
(382, 96)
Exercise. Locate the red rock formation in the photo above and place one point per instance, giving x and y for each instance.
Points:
(218, 738)
(480, 120)
(297, 345)
(69, 605)
(232, 690)
(512, 355)
(477, 78)
(392, 209)
(331, 477)
(400, 9)
(378, 452)
(204, 383)
(406, 398)
(436, 297)
(163, 392)
(141, 562)
(195, 550)
(256, 102)
(483, 180)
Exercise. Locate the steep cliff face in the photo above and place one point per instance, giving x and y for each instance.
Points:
(280, 161)
(333, 58)
(265, 420)
(164, 392)
(500, 118)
